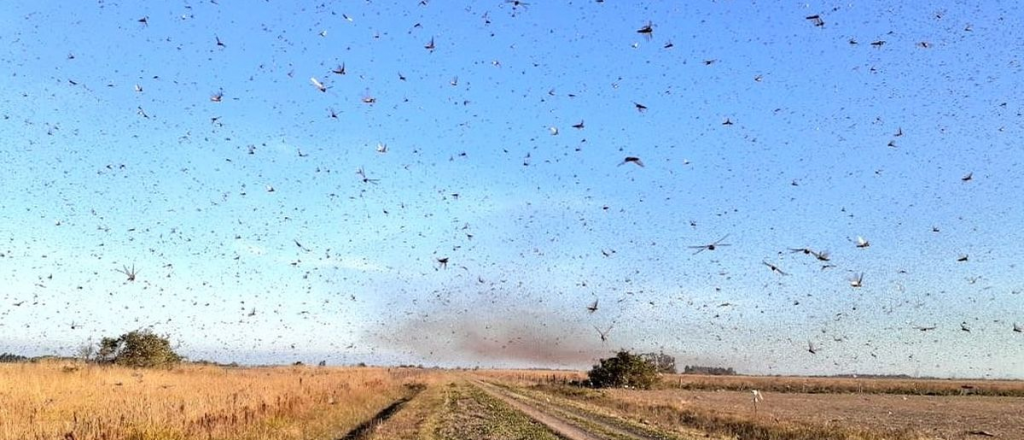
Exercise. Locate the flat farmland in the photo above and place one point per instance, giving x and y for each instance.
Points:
(799, 407)
(907, 416)
(70, 401)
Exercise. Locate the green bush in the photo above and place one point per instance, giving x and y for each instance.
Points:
(625, 370)
(139, 348)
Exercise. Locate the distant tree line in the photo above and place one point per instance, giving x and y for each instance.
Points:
(712, 371)
(661, 362)
(8, 358)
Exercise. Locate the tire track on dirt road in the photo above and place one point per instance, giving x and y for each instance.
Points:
(366, 428)
(562, 421)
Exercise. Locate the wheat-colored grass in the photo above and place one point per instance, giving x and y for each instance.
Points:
(87, 402)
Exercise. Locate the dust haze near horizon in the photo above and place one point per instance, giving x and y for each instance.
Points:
(436, 184)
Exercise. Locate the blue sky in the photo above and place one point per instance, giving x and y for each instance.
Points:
(114, 154)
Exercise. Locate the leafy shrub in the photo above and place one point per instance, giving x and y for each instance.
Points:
(138, 348)
(625, 370)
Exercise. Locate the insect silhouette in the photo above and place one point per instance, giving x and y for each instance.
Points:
(368, 98)
(811, 348)
(816, 20)
(821, 256)
(592, 307)
(967, 177)
(857, 281)
(604, 334)
(443, 262)
(962, 259)
(710, 246)
(632, 159)
(877, 44)
(774, 268)
(1018, 328)
(340, 70)
(640, 107)
(727, 122)
(316, 83)
(862, 242)
(217, 97)
(578, 126)
(362, 175)
(964, 328)
(430, 46)
(219, 43)
(925, 329)
(130, 273)
(647, 30)
(517, 5)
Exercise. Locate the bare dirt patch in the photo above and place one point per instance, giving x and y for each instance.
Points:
(945, 417)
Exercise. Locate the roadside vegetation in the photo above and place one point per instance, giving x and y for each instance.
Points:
(624, 370)
(79, 401)
(466, 412)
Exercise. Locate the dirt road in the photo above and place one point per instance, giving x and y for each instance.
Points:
(573, 423)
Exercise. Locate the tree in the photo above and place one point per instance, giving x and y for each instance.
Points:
(662, 362)
(623, 370)
(138, 348)
(87, 352)
(714, 371)
(11, 358)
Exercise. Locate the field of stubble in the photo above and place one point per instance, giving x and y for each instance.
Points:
(71, 401)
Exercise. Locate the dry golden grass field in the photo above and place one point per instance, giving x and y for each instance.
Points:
(69, 401)
(82, 402)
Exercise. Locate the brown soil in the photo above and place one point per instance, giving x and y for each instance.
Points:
(939, 417)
